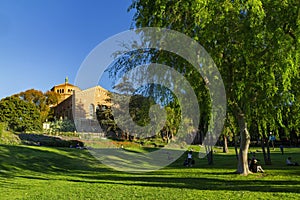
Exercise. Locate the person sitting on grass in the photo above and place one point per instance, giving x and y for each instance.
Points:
(254, 167)
(290, 163)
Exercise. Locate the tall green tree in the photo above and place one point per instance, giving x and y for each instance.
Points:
(19, 114)
(43, 101)
(255, 45)
(37, 98)
(52, 99)
(291, 117)
(161, 94)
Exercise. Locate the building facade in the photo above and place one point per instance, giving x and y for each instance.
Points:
(63, 110)
(80, 106)
(65, 90)
(85, 104)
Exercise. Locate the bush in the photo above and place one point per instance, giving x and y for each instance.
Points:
(3, 126)
(62, 126)
(7, 137)
(45, 140)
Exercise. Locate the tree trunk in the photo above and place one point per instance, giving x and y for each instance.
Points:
(263, 148)
(209, 153)
(236, 148)
(172, 135)
(267, 156)
(268, 160)
(126, 135)
(235, 144)
(201, 137)
(197, 138)
(225, 146)
(243, 168)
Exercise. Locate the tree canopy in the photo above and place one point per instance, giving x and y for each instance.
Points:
(255, 45)
(27, 110)
(20, 115)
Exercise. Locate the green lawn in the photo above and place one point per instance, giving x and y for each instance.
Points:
(29, 172)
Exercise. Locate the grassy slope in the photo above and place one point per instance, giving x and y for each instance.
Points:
(7, 137)
(61, 173)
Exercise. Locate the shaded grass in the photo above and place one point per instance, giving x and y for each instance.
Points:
(28, 172)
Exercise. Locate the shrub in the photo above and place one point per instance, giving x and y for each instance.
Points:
(62, 126)
(45, 140)
(2, 127)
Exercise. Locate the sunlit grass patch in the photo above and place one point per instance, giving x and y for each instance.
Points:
(34, 172)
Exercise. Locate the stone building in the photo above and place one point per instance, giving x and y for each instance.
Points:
(65, 90)
(80, 105)
(85, 104)
(63, 110)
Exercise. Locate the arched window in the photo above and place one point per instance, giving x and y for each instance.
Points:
(91, 111)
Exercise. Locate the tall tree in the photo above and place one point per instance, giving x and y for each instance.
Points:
(37, 98)
(51, 100)
(19, 114)
(254, 43)
(43, 101)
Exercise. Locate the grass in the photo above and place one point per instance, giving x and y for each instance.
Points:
(6, 137)
(35, 172)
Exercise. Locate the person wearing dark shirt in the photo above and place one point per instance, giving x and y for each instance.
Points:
(254, 167)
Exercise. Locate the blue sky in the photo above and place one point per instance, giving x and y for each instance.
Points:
(43, 41)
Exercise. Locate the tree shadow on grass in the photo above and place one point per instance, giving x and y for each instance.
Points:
(46, 140)
(199, 183)
(40, 163)
(45, 160)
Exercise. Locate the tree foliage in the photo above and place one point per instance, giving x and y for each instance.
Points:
(62, 126)
(43, 101)
(27, 110)
(255, 45)
(19, 114)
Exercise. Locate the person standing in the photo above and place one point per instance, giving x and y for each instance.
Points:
(190, 158)
(281, 149)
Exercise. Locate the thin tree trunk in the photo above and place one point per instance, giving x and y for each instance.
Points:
(267, 155)
(235, 144)
(197, 138)
(263, 149)
(172, 135)
(201, 137)
(232, 129)
(236, 149)
(268, 161)
(209, 153)
(210, 156)
(225, 146)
